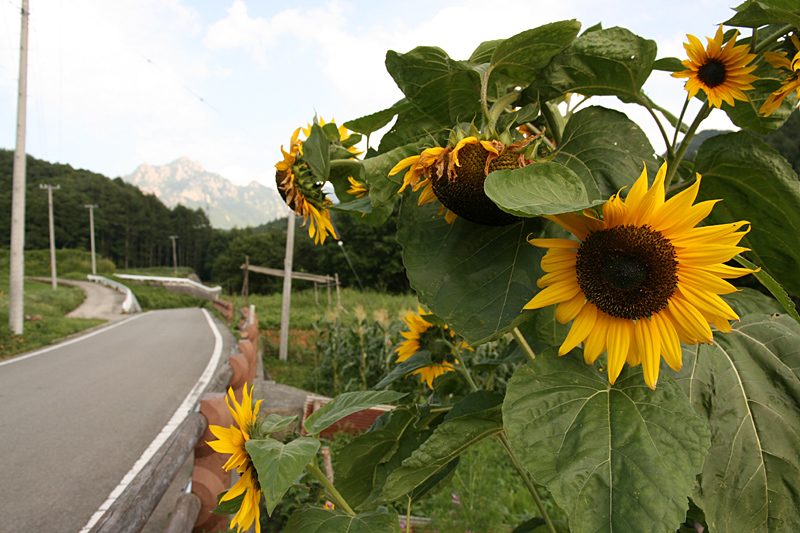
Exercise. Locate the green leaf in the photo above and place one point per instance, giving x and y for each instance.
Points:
(543, 331)
(747, 384)
(746, 115)
(618, 457)
(355, 467)
(278, 464)
(772, 286)
(538, 189)
(451, 438)
(483, 54)
(371, 123)
(602, 62)
(444, 89)
(316, 152)
(274, 423)
(522, 56)
(758, 185)
(606, 150)
(751, 302)
(347, 404)
(414, 126)
(477, 278)
(421, 359)
(228, 507)
(669, 64)
(383, 187)
(315, 520)
(762, 13)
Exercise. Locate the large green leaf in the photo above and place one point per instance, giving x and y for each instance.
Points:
(383, 187)
(747, 384)
(347, 404)
(478, 417)
(543, 331)
(316, 152)
(763, 12)
(773, 287)
(446, 90)
(606, 150)
(619, 458)
(373, 122)
(522, 56)
(413, 126)
(278, 464)
(538, 189)
(420, 359)
(603, 62)
(275, 423)
(745, 113)
(315, 520)
(355, 467)
(759, 185)
(476, 278)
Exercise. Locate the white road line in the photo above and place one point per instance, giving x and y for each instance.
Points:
(71, 341)
(177, 418)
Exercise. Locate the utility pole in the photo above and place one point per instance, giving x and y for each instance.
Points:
(283, 350)
(50, 188)
(17, 261)
(174, 253)
(91, 208)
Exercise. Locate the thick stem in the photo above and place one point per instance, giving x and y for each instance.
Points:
(645, 102)
(680, 121)
(345, 163)
(554, 119)
(537, 131)
(523, 344)
(769, 39)
(500, 105)
(408, 514)
(674, 162)
(503, 440)
(485, 97)
(338, 499)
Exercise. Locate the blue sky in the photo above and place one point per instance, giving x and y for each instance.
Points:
(116, 84)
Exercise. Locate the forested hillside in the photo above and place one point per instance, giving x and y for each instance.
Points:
(131, 228)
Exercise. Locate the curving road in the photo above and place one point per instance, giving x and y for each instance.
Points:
(76, 417)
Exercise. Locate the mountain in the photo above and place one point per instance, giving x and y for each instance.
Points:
(186, 182)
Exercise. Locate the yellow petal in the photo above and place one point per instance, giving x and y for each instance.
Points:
(620, 334)
(596, 341)
(670, 344)
(568, 310)
(556, 293)
(583, 325)
(648, 344)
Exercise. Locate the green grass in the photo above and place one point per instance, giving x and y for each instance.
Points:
(167, 272)
(70, 264)
(40, 300)
(156, 297)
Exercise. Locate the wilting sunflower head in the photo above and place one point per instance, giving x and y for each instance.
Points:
(791, 82)
(455, 175)
(721, 72)
(232, 441)
(641, 279)
(357, 189)
(438, 340)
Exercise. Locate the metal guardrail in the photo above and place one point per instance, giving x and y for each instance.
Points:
(130, 304)
(212, 292)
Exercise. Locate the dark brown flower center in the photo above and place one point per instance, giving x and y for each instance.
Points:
(627, 271)
(712, 73)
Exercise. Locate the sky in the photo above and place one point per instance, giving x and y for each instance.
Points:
(114, 84)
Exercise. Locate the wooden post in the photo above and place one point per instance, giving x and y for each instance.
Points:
(245, 284)
(338, 293)
(316, 294)
(329, 292)
(283, 352)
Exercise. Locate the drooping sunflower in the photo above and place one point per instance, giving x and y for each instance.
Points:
(720, 71)
(232, 440)
(357, 189)
(301, 191)
(422, 334)
(780, 61)
(455, 176)
(344, 135)
(641, 279)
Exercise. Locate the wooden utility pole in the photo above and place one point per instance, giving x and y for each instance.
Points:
(174, 253)
(91, 208)
(17, 260)
(283, 352)
(53, 274)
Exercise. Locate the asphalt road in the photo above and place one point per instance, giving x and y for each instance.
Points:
(74, 420)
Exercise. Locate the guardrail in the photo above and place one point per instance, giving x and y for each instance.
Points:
(130, 304)
(209, 292)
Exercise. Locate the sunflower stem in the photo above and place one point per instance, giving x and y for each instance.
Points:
(772, 37)
(485, 97)
(537, 131)
(645, 102)
(523, 344)
(345, 164)
(680, 121)
(408, 515)
(339, 500)
(500, 105)
(674, 162)
(503, 440)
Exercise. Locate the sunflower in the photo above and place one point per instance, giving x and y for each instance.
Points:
(642, 279)
(344, 134)
(792, 81)
(357, 189)
(422, 334)
(455, 176)
(232, 441)
(721, 72)
(301, 192)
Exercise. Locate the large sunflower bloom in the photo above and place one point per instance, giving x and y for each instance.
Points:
(419, 333)
(720, 71)
(232, 440)
(455, 176)
(792, 81)
(642, 279)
